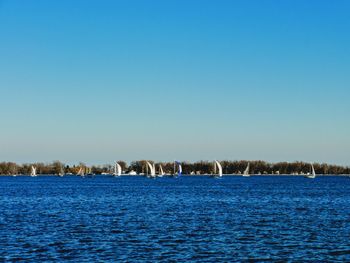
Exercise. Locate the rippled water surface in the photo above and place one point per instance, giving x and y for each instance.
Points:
(192, 219)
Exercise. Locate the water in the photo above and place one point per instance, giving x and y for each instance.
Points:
(197, 219)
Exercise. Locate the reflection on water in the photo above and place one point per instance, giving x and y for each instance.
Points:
(195, 219)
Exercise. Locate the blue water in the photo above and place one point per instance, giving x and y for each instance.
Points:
(196, 219)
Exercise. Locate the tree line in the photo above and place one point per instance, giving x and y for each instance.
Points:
(200, 167)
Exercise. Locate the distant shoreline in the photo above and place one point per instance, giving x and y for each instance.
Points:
(183, 175)
(229, 168)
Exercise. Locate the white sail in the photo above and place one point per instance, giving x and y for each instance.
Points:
(152, 170)
(177, 169)
(313, 173)
(81, 172)
(246, 171)
(218, 165)
(180, 169)
(161, 172)
(33, 171)
(117, 169)
(61, 173)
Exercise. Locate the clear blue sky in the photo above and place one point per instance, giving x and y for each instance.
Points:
(97, 81)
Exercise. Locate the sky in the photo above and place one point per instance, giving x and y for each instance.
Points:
(98, 81)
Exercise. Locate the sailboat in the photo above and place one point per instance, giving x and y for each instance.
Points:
(81, 172)
(313, 173)
(217, 165)
(61, 173)
(246, 171)
(161, 172)
(117, 169)
(151, 171)
(177, 172)
(33, 172)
